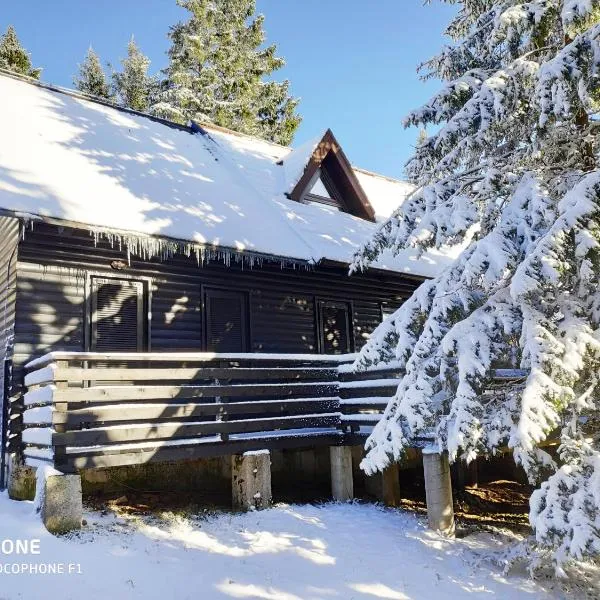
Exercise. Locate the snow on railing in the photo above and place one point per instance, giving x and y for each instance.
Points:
(51, 357)
(86, 409)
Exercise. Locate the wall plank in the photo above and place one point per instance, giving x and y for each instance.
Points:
(55, 262)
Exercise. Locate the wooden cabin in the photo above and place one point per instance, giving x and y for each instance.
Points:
(173, 292)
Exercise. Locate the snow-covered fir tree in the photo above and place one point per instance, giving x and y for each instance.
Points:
(511, 172)
(13, 57)
(133, 86)
(217, 69)
(91, 78)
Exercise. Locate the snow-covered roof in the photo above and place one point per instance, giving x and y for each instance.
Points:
(70, 158)
(385, 194)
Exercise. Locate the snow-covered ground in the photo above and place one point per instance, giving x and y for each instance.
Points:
(333, 551)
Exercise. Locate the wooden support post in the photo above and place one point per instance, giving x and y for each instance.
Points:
(519, 474)
(251, 480)
(59, 502)
(438, 491)
(57, 409)
(472, 474)
(466, 475)
(390, 485)
(342, 482)
(385, 485)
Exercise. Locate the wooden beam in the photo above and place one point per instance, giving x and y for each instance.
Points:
(165, 431)
(140, 394)
(75, 374)
(105, 458)
(389, 389)
(185, 357)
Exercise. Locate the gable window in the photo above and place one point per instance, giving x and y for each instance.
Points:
(319, 189)
(335, 329)
(323, 191)
(226, 320)
(118, 315)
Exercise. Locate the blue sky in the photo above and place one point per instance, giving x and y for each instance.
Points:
(352, 62)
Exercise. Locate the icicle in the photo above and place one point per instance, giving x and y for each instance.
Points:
(148, 247)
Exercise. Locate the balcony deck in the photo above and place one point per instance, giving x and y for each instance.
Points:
(88, 410)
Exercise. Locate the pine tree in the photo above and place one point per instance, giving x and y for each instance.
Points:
(217, 67)
(13, 57)
(133, 87)
(512, 173)
(91, 78)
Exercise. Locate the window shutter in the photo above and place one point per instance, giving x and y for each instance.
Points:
(226, 321)
(117, 315)
(335, 328)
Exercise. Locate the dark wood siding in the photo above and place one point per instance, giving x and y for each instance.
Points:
(367, 315)
(50, 307)
(55, 265)
(9, 236)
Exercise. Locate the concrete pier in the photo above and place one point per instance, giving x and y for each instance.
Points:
(59, 502)
(342, 481)
(438, 491)
(21, 480)
(251, 480)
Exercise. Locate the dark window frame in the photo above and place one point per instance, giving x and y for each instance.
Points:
(336, 200)
(347, 304)
(144, 315)
(233, 291)
(385, 310)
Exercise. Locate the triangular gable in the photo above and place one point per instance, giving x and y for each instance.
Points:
(327, 162)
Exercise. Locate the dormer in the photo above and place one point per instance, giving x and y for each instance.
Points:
(327, 178)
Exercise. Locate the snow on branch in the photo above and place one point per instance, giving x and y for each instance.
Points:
(569, 80)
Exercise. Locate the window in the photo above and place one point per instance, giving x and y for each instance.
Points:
(118, 322)
(335, 327)
(387, 310)
(323, 191)
(226, 321)
(319, 189)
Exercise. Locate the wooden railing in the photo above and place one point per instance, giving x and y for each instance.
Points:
(99, 410)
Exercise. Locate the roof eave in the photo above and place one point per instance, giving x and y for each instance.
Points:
(176, 244)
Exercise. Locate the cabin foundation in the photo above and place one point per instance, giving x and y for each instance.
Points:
(60, 502)
(438, 492)
(251, 480)
(21, 480)
(342, 481)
